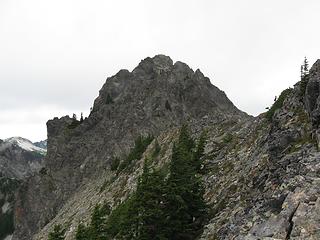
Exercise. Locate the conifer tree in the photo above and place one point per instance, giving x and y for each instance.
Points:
(185, 206)
(304, 77)
(98, 220)
(81, 118)
(199, 152)
(305, 65)
(57, 233)
(149, 202)
(83, 232)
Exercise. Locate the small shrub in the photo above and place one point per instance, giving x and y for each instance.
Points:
(6, 224)
(228, 138)
(168, 106)
(109, 99)
(141, 144)
(156, 150)
(75, 123)
(43, 171)
(115, 164)
(57, 233)
(278, 103)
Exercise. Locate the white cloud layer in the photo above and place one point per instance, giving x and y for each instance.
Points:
(55, 55)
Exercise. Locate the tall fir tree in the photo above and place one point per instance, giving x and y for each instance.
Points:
(149, 202)
(185, 206)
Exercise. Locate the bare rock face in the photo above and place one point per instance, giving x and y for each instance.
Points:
(312, 96)
(155, 97)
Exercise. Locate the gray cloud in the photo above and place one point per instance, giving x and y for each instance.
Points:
(55, 55)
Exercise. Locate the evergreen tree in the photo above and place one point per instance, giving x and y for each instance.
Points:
(83, 232)
(81, 118)
(161, 208)
(199, 152)
(185, 206)
(149, 202)
(109, 99)
(305, 65)
(304, 77)
(98, 220)
(57, 233)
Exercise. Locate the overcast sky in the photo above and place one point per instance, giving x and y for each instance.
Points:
(56, 55)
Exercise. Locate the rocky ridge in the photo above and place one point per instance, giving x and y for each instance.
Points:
(155, 97)
(261, 176)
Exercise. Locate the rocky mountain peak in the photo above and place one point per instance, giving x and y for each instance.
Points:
(156, 64)
(25, 144)
(158, 82)
(157, 96)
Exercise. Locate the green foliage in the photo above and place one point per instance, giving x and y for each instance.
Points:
(227, 138)
(167, 105)
(6, 224)
(156, 150)
(97, 228)
(186, 210)
(83, 232)
(75, 123)
(7, 185)
(199, 152)
(43, 171)
(114, 163)
(140, 145)
(278, 103)
(57, 233)
(161, 208)
(109, 99)
(150, 221)
(122, 219)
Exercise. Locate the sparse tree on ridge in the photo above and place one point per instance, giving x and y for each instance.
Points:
(81, 118)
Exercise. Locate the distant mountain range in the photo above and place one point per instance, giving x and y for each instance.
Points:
(19, 159)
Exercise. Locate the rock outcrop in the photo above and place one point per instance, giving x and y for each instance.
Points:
(261, 174)
(155, 97)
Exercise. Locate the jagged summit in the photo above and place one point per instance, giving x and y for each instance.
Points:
(157, 81)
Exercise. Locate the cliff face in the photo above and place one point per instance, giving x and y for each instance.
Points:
(261, 174)
(156, 97)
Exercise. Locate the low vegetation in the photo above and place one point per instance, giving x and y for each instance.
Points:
(278, 103)
(140, 145)
(163, 206)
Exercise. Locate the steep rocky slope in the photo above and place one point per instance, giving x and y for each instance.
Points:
(155, 97)
(261, 174)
